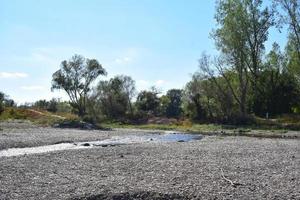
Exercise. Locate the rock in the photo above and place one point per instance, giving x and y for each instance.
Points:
(86, 144)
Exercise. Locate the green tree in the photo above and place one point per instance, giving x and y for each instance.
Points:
(114, 96)
(64, 106)
(192, 99)
(280, 88)
(240, 37)
(291, 17)
(8, 102)
(113, 101)
(128, 88)
(75, 78)
(175, 101)
(53, 105)
(148, 101)
(41, 104)
(164, 102)
(2, 95)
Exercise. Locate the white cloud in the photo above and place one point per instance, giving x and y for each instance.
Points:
(145, 85)
(143, 82)
(123, 60)
(13, 75)
(128, 55)
(160, 82)
(47, 57)
(32, 88)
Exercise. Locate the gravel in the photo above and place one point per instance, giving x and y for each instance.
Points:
(14, 134)
(259, 168)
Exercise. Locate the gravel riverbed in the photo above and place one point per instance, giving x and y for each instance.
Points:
(212, 168)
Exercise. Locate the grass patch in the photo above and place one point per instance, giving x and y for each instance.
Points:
(263, 130)
(38, 117)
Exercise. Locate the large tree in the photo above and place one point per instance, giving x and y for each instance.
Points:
(148, 101)
(2, 95)
(171, 103)
(128, 87)
(243, 27)
(291, 17)
(114, 96)
(192, 98)
(75, 78)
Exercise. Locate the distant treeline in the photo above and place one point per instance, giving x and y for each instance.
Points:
(241, 82)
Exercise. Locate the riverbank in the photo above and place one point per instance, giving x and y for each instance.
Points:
(215, 167)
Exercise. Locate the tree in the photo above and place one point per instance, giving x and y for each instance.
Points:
(113, 101)
(53, 105)
(148, 101)
(41, 104)
(292, 58)
(164, 102)
(75, 78)
(63, 106)
(243, 30)
(50, 106)
(192, 98)
(114, 97)
(292, 18)
(225, 87)
(2, 95)
(174, 105)
(280, 88)
(128, 87)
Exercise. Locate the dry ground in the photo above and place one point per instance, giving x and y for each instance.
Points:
(259, 168)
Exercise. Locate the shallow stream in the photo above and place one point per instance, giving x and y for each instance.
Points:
(113, 141)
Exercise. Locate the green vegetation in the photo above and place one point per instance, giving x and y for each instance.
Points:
(266, 130)
(38, 117)
(241, 89)
(75, 78)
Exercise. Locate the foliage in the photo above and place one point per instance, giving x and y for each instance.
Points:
(148, 102)
(240, 37)
(280, 87)
(113, 98)
(75, 78)
(291, 17)
(243, 84)
(1, 102)
(5, 102)
(43, 118)
(193, 105)
(54, 105)
(171, 104)
(174, 106)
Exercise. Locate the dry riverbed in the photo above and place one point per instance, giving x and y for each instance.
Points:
(212, 168)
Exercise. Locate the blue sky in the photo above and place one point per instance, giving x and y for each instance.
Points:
(156, 42)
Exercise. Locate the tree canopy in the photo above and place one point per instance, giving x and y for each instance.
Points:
(75, 78)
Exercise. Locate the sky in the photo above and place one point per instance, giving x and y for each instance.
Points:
(156, 42)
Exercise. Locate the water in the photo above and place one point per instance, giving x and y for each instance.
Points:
(41, 149)
(133, 139)
(113, 141)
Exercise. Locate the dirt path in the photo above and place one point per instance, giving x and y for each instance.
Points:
(52, 115)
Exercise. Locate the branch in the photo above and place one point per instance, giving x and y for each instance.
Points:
(233, 184)
(220, 69)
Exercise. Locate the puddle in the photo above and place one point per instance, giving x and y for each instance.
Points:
(132, 139)
(113, 141)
